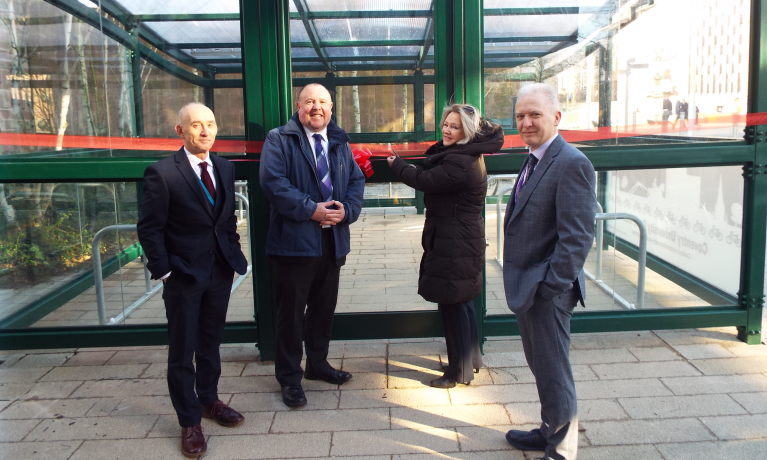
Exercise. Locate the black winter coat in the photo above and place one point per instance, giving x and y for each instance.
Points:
(454, 182)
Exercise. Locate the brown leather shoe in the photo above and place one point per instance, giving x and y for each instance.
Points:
(193, 443)
(222, 414)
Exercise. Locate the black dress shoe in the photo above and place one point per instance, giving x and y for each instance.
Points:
(527, 440)
(331, 375)
(442, 382)
(293, 396)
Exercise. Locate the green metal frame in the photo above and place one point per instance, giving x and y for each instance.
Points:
(458, 75)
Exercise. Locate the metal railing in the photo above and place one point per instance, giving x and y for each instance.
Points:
(98, 277)
(597, 278)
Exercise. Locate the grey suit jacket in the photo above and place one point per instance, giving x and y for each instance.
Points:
(549, 232)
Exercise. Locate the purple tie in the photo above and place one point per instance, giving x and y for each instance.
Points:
(323, 171)
(531, 162)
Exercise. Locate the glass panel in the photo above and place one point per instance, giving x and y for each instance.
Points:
(693, 218)
(46, 234)
(178, 6)
(47, 246)
(612, 69)
(66, 78)
(324, 46)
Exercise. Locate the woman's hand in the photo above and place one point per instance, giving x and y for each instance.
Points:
(391, 158)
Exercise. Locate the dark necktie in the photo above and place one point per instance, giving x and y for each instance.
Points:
(525, 175)
(323, 171)
(207, 181)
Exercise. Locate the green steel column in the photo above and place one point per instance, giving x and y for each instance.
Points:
(267, 92)
(418, 110)
(330, 84)
(138, 98)
(444, 77)
(458, 51)
(207, 91)
(751, 293)
(473, 45)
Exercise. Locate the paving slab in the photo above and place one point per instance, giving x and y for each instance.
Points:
(737, 426)
(644, 370)
(703, 351)
(751, 365)
(646, 431)
(723, 450)
(51, 390)
(16, 430)
(67, 429)
(254, 402)
(639, 452)
(22, 375)
(330, 420)
(756, 403)
(122, 371)
(359, 399)
(655, 354)
(681, 406)
(486, 455)
(620, 389)
(255, 423)
(282, 446)
(50, 408)
(58, 450)
(449, 416)
(491, 394)
(716, 384)
(403, 441)
(144, 449)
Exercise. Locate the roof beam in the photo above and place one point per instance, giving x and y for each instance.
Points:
(311, 31)
(533, 54)
(186, 17)
(546, 38)
(381, 14)
(428, 39)
(201, 45)
(352, 43)
(356, 58)
(543, 10)
(348, 67)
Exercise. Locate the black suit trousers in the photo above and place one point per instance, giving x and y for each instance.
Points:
(196, 315)
(462, 340)
(304, 286)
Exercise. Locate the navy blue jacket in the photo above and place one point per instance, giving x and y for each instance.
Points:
(288, 176)
(178, 229)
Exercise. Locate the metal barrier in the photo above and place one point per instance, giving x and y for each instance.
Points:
(498, 220)
(150, 291)
(597, 279)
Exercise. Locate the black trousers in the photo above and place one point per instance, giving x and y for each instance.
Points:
(196, 315)
(304, 285)
(462, 340)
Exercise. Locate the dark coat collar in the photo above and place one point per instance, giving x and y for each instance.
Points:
(487, 140)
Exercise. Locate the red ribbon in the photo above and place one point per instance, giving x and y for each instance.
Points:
(408, 149)
(362, 157)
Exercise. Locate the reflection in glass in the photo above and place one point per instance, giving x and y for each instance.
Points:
(655, 71)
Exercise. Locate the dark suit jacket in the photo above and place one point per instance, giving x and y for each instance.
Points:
(550, 231)
(178, 229)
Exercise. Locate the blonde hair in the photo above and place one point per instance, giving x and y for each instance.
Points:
(470, 120)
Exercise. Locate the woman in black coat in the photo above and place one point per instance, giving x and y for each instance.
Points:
(454, 182)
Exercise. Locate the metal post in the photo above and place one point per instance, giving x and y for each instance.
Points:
(138, 98)
(418, 110)
(98, 279)
(751, 293)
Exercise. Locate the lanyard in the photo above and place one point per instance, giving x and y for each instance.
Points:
(204, 189)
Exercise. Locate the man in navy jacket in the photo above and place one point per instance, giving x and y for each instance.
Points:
(315, 190)
(188, 232)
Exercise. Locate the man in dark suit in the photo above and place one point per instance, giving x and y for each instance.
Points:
(188, 232)
(315, 190)
(549, 230)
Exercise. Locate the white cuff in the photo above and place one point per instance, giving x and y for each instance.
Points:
(166, 275)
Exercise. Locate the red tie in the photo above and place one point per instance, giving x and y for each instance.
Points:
(207, 181)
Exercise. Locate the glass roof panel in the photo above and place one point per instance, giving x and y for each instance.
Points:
(225, 53)
(519, 47)
(179, 6)
(405, 51)
(371, 29)
(303, 53)
(543, 3)
(533, 26)
(366, 5)
(298, 31)
(195, 32)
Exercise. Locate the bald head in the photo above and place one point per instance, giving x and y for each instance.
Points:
(197, 126)
(314, 107)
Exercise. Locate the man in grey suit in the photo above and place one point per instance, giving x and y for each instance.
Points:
(549, 230)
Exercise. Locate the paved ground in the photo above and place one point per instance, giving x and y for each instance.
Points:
(695, 394)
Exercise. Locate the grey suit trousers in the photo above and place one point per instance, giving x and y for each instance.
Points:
(545, 332)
